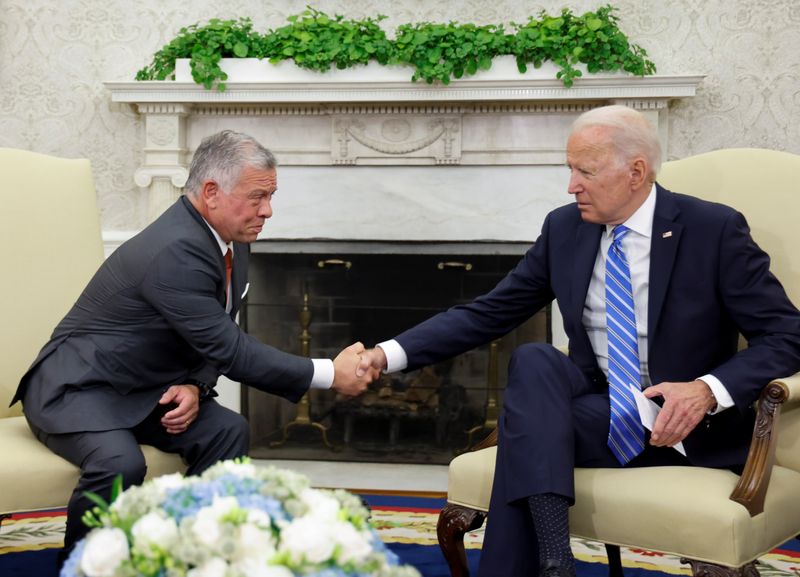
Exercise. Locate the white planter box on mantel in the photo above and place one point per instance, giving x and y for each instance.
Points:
(480, 158)
(259, 81)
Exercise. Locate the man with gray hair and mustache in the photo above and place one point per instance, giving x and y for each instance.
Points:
(136, 358)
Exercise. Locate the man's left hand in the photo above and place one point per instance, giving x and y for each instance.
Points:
(685, 405)
(187, 397)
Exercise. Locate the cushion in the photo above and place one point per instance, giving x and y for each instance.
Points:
(682, 511)
(33, 477)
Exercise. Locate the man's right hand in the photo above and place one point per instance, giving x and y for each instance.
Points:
(345, 379)
(372, 359)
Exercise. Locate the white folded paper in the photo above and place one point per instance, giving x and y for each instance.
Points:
(648, 411)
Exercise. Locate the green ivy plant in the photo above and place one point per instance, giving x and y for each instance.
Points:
(437, 52)
(445, 51)
(205, 46)
(593, 39)
(315, 41)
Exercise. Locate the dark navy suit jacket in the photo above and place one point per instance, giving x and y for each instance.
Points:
(709, 282)
(152, 316)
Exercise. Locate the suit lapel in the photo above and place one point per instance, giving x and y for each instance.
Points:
(663, 250)
(587, 242)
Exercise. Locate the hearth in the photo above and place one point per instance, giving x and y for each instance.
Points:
(314, 298)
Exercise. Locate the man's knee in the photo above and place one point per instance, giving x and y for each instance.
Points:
(238, 428)
(534, 354)
(107, 464)
(234, 434)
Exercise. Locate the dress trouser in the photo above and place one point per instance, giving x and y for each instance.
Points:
(218, 433)
(554, 419)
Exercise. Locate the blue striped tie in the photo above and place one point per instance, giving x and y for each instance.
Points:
(626, 433)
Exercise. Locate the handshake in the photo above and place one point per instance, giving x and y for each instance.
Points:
(356, 367)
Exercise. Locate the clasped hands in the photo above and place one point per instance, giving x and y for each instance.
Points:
(356, 367)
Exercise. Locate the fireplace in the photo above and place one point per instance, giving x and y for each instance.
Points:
(381, 181)
(318, 302)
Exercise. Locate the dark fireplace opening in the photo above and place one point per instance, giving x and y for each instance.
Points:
(316, 303)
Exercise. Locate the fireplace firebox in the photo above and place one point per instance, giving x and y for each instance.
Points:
(316, 298)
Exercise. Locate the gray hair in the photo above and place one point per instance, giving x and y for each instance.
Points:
(222, 156)
(632, 134)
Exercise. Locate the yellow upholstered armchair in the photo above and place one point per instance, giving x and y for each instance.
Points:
(714, 520)
(50, 235)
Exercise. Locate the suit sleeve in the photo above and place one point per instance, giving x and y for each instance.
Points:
(762, 311)
(521, 294)
(183, 285)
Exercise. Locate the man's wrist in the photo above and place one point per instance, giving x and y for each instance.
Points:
(204, 389)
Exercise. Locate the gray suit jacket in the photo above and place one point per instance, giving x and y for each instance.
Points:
(152, 316)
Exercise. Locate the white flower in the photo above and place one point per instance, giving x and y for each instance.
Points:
(258, 568)
(206, 528)
(305, 538)
(259, 518)
(322, 507)
(154, 530)
(355, 545)
(105, 550)
(254, 543)
(166, 482)
(242, 470)
(214, 567)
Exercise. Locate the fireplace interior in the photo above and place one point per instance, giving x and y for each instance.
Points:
(315, 301)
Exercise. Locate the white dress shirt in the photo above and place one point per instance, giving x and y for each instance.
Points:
(323, 368)
(636, 245)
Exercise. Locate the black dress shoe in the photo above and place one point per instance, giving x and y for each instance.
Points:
(553, 568)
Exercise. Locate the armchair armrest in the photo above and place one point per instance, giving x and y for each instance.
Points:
(752, 487)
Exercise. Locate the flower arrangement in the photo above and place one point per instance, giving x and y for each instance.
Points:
(235, 520)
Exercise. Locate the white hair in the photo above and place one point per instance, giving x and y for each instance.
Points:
(632, 134)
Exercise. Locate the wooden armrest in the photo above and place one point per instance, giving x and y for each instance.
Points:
(489, 441)
(752, 487)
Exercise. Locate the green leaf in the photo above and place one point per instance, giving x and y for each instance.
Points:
(101, 503)
(594, 24)
(240, 49)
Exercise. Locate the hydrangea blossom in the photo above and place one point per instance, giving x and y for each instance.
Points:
(235, 520)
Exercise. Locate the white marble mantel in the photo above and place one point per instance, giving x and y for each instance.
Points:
(366, 154)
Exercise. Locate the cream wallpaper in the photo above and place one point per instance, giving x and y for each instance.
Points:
(54, 57)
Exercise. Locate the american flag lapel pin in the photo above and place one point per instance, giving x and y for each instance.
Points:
(667, 234)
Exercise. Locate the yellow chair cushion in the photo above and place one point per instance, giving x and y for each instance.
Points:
(685, 512)
(34, 478)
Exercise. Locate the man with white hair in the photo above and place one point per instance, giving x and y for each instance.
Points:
(654, 288)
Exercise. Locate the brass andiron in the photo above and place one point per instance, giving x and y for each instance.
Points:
(492, 411)
(303, 417)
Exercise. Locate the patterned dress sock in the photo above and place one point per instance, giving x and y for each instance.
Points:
(550, 513)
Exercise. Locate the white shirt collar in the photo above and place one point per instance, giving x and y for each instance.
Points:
(222, 246)
(641, 221)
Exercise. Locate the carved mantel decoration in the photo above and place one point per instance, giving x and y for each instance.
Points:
(495, 118)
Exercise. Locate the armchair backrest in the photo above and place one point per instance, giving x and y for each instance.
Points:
(51, 246)
(764, 185)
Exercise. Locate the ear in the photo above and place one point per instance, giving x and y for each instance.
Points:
(210, 193)
(639, 173)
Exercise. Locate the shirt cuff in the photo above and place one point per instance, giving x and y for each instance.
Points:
(323, 374)
(721, 394)
(396, 358)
